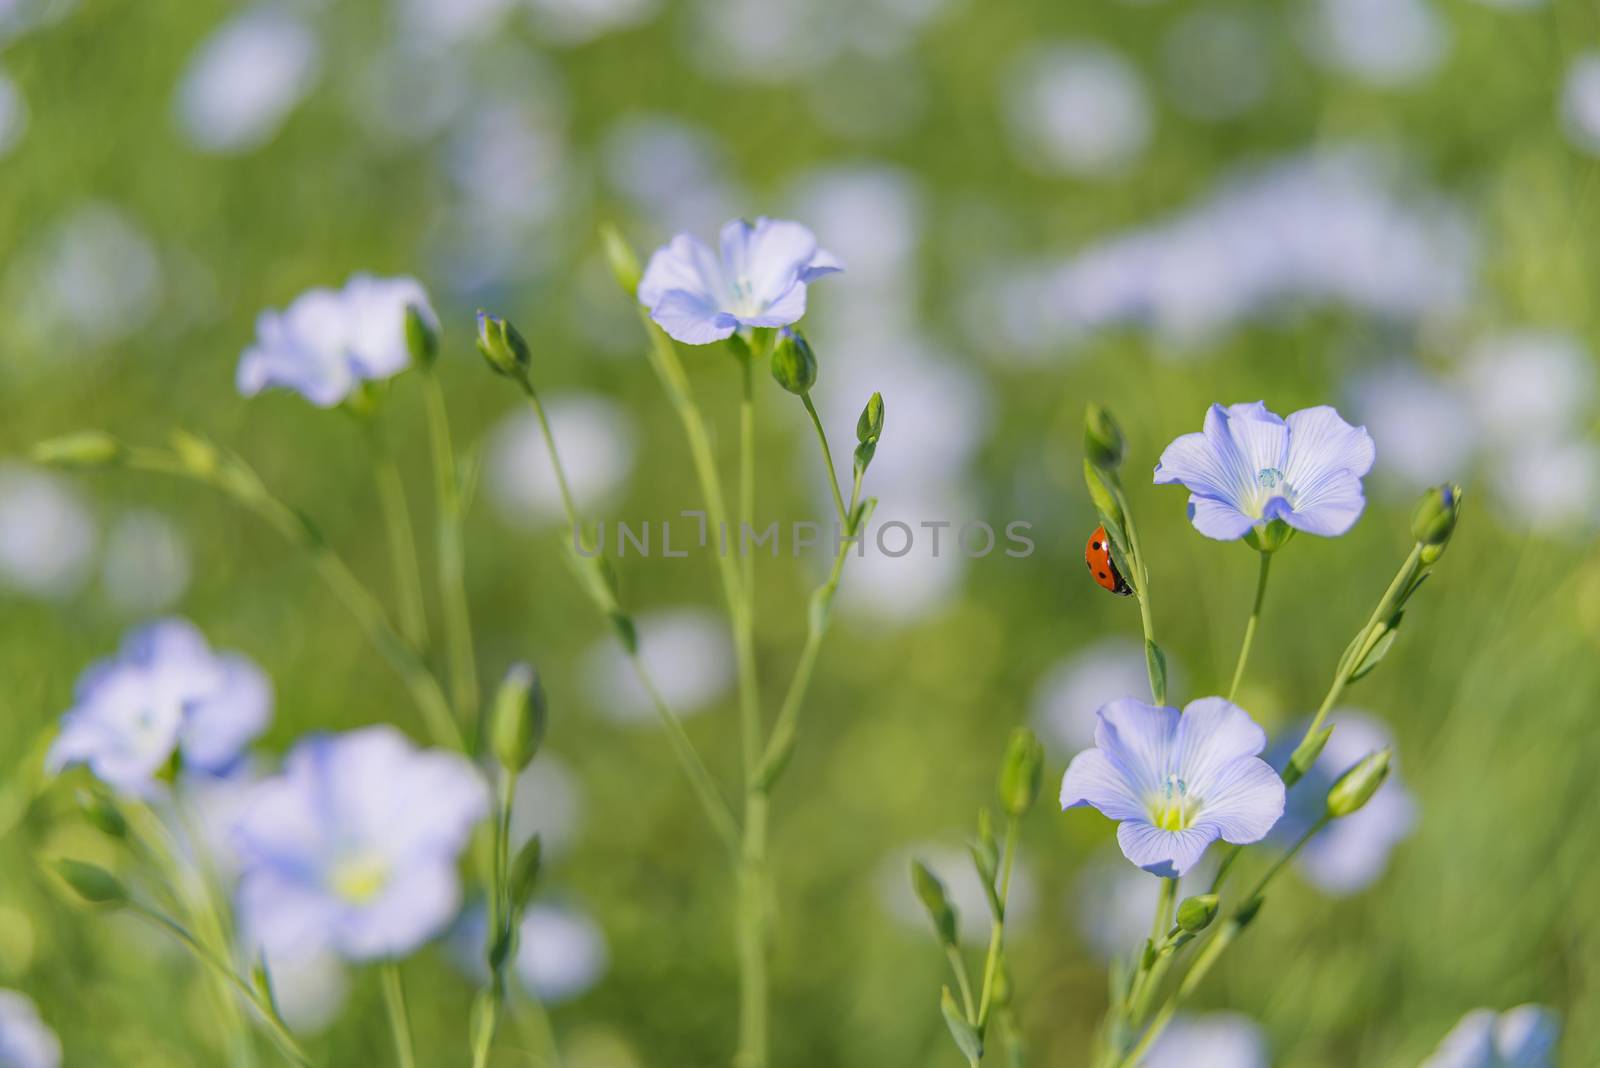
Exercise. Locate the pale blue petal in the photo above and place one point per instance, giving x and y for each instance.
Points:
(684, 263)
(1527, 1036)
(1094, 779)
(788, 308)
(1169, 854)
(822, 264)
(1261, 438)
(1320, 440)
(1328, 506)
(1192, 460)
(1138, 739)
(285, 916)
(769, 256)
(1218, 519)
(1241, 802)
(1470, 1044)
(1212, 734)
(692, 318)
(221, 722)
(418, 904)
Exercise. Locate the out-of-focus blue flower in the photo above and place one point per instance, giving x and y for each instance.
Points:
(165, 691)
(561, 951)
(25, 1040)
(1176, 782)
(1523, 1037)
(1351, 853)
(757, 277)
(47, 535)
(1077, 108)
(246, 78)
(1215, 1040)
(327, 342)
(354, 846)
(1249, 467)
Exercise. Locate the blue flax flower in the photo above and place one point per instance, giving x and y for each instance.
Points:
(165, 691)
(1176, 782)
(1249, 467)
(353, 848)
(1523, 1037)
(757, 277)
(329, 341)
(25, 1040)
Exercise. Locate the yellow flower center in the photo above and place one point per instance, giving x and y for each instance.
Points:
(1172, 809)
(360, 878)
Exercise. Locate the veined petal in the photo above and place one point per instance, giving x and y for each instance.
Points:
(1241, 801)
(788, 308)
(1320, 440)
(692, 318)
(1213, 733)
(822, 264)
(1094, 779)
(1192, 460)
(1327, 506)
(769, 255)
(1263, 442)
(1218, 519)
(684, 263)
(1137, 738)
(1168, 854)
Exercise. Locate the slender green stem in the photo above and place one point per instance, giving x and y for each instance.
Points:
(827, 458)
(997, 929)
(241, 485)
(1250, 627)
(394, 1000)
(276, 1028)
(1349, 662)
(786, 725)
(452, 554)
(700, 777)
(1214, 949)
(501, 917)
(753, 934)
(1140, 579)
(402, 542)
(1165, 905)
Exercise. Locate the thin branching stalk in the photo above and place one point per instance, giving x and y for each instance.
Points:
(394, 1001)
(1250, 627)
(402, 541)
(452, 553)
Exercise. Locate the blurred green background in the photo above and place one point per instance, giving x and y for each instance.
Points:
(1384, 205)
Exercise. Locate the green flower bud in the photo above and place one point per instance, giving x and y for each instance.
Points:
(1103, 444)
(931, 891)
(869, 428)
(517, 725)
(1196, 913)
(967, 1039)
(1305, 754)
(1356, 786)
(1270, 538)
(524, 874)
(794, 366)
(620, 258)
(422, 337)
(1435, 517)
(88, 448)
(503, 347)
(1105, 502)
(197, 455)
(1020, 774)
(103, 814)
(92, 883)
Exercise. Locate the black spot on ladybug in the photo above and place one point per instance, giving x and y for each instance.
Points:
(1104, 575)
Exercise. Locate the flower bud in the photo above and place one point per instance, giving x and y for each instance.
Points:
(503, 347)
(1356, 786)
(620, 258)
(1103, 444)
(517, 725)
(92, 883)
(88, 448)
(870, 426)
(422, 336)
(794, 366)
(198, 456)
(1305, 754)
(1020, 774)
(1105, 502)
(1435, 518)
(1196, 913)
(931, 891)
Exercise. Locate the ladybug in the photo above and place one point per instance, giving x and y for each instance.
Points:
(1097, 554)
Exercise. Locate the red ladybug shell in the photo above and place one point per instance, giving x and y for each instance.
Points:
(1097, 554)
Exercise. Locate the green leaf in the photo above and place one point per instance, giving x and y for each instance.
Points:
(966, 1037)
(1378, 649)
